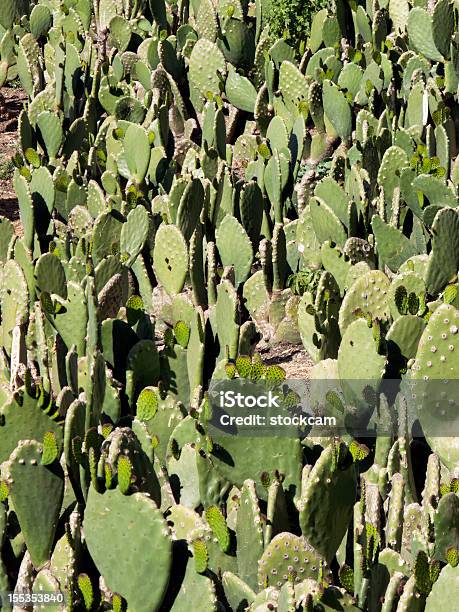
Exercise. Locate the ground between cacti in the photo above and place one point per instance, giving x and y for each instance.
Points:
(11, 103)
(294, 359)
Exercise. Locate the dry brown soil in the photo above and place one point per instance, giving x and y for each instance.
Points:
(293, 359)
(11, 103)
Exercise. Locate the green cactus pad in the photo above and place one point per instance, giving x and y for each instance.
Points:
(219, 527)
(183, 521)
(446, 521)
(437, 193)
(237, 592)
(405, 333)
(14, 298)
(308, 243)
(251, 206)
(230, 457)
(134, 234)
(197, 591)
(334, 196)
(235, 248)
(367, 296)
(326, 224)
(289, 558)
(237, 43)
(445, 589)
(37, 512)
(240, 91)
(50, 275)
(444, 259)
(189, 208)
(106, 235)
(256, 296)
(182, 333)
(419, 26)
(435, 361)
(393, 247)
(393, 161)
(207, 66)
(402, 285)
(137, 529)
(249, 535)
(294, 88)
(334, 261)
(24, 419)
(170, 258)
(26, 207)
(160, 427)
(71, 317)
(327, 487)
(226, 319)
(359, 364)
(337, 110)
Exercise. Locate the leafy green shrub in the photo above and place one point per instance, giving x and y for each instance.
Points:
(6, 168)
(304, 280)
(291, 19)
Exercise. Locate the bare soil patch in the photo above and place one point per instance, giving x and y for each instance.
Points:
(293, 359)
(11, 103)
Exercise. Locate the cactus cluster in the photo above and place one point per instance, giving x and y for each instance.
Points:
(190, 185)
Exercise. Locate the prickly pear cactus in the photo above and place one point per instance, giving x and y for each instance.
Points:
(201, 186)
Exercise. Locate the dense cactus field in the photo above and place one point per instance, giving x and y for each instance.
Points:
(192, 181)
